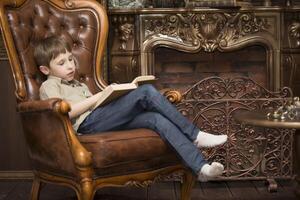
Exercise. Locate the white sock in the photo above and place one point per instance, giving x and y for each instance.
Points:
(209, 140)
(209, 171)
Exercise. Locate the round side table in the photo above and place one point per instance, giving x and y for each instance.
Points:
(259, 118)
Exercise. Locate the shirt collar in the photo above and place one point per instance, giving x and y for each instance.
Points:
(72, 83)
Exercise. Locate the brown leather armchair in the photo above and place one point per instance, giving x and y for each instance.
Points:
(87, 162)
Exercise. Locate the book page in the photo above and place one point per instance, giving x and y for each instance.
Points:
(113, 92)
(140, 80)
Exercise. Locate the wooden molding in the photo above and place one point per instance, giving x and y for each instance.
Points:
(16, 175)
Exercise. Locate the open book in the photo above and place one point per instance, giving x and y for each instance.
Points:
(115, 91)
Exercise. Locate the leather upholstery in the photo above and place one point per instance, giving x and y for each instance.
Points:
(123, 151)
(48, 148)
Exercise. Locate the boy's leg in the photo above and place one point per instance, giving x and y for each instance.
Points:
(145, 98)
(124, 109)
(154, 101)
(172, 135)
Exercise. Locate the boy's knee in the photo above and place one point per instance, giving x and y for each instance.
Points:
(154, 117)
(149, 89)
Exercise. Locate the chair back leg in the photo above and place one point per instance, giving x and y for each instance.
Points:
(187, 185)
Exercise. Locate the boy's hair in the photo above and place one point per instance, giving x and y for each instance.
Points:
(49, 48)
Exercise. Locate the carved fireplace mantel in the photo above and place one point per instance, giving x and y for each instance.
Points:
(210, 31)
(136, 34)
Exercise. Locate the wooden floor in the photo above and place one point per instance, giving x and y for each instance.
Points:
(238, 190)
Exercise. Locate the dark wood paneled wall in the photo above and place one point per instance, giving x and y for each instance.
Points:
(13, 151)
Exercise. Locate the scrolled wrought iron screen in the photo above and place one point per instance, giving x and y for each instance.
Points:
(251, 152)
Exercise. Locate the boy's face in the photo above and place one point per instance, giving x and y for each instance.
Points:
(63, 66)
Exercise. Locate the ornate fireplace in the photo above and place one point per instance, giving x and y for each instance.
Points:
(205, 34)
(220, 61)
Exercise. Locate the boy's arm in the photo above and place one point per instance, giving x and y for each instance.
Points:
(82, 106)
(52, 90)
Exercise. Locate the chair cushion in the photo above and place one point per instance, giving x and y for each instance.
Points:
(122, 152)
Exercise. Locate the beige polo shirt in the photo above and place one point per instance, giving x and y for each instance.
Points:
(73, 92)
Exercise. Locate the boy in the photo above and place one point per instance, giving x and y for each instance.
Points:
(143, 107)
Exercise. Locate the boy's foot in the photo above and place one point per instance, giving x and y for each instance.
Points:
(210, 171)
(209, 140)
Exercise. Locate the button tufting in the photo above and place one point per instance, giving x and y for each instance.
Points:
(82, 78)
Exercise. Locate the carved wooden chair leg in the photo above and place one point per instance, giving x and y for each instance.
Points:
(87, 191)
(35, 188)
(187, 185)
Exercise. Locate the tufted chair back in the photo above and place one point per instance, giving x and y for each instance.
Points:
(83, 28)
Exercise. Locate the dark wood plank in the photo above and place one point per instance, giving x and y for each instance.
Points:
(124, 193)
(288, 187)
(20, 192)
(57, 192)
(242, 189)
(164, 191)
(6, 187)
(231, 190)
(262, 189)
(197, 192)
(215, 190)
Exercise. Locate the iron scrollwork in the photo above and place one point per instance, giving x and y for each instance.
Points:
(208, 30)
(250, 152)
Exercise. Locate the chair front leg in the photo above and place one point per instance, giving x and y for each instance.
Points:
(35, 188)
(87, 190)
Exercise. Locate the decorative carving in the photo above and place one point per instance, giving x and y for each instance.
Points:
(126, 32)
(124, 64)
(169, 177)
(124, 29)
(288, 2)
(290, 68)
(124, 70)
(140, 184)
(3, 55)
(69, 4)
(294, 33)
(209, 3)
(250, 151)
(208, 30)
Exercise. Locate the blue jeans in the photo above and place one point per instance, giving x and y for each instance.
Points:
(145, 107)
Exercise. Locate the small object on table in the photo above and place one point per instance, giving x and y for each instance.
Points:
(291, 110)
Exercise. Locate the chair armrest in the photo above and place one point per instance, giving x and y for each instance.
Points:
(54, 104)
(51, 138)
(173, 96)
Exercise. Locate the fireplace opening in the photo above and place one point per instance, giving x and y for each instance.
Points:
(181, 70)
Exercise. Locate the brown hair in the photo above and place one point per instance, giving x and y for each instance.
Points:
(49, 48)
